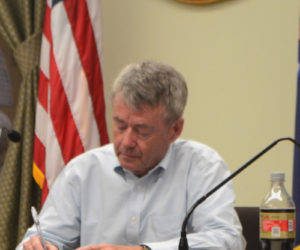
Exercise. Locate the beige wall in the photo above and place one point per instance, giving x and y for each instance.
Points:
(239, 58)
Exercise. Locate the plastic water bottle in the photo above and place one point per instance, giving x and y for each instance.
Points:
(277, 216)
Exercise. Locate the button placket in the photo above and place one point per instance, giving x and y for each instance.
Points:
(135, 208)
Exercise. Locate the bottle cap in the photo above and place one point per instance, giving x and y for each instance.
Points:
(277, 176)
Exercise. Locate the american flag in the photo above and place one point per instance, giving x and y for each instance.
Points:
(70, 114)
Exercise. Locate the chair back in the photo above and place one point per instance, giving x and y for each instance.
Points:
(249, 217)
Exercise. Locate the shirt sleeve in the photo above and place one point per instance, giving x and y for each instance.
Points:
(214, 224)
(60, 214)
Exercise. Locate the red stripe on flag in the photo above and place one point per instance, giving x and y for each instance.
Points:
(43, 90)
(39, 159)
(82, 29)
(39, 154)
(45, 191)
(47, 24)
(61, 116)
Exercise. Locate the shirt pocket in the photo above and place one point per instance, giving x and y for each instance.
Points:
(165, 227)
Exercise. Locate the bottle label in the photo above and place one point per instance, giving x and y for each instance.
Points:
(277, 224)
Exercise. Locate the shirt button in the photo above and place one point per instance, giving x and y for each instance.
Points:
(139, 187)
(133, 219)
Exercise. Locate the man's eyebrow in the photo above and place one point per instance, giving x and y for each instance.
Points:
(142, 125)
(118, 119)
(138, 125)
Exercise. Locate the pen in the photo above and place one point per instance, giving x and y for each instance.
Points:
(37, 225)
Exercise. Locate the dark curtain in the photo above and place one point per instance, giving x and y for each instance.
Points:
(21, 26)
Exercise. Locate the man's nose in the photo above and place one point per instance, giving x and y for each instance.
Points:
(129, 138)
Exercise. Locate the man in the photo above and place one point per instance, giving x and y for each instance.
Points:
(135, 193)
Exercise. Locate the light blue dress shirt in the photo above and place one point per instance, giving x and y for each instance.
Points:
(96, 201)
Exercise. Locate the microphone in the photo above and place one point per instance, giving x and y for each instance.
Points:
(14, 135)
(5, 124)
(183, 243)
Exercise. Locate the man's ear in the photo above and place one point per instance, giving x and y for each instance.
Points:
(176, 129)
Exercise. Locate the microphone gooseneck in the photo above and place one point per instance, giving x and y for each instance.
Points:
(183, 243)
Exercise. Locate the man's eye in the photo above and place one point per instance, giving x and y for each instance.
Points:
(121, 128)
(143, 134)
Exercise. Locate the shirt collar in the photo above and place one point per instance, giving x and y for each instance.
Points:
(160, 167)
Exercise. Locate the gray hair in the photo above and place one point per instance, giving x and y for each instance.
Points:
(152, 83)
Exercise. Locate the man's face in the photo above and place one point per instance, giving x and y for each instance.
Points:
(141, 138)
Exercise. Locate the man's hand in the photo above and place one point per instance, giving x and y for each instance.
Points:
(34, 243)
(110, 247)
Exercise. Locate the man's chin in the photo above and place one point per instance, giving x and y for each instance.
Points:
(130, 167)
(129, 164)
